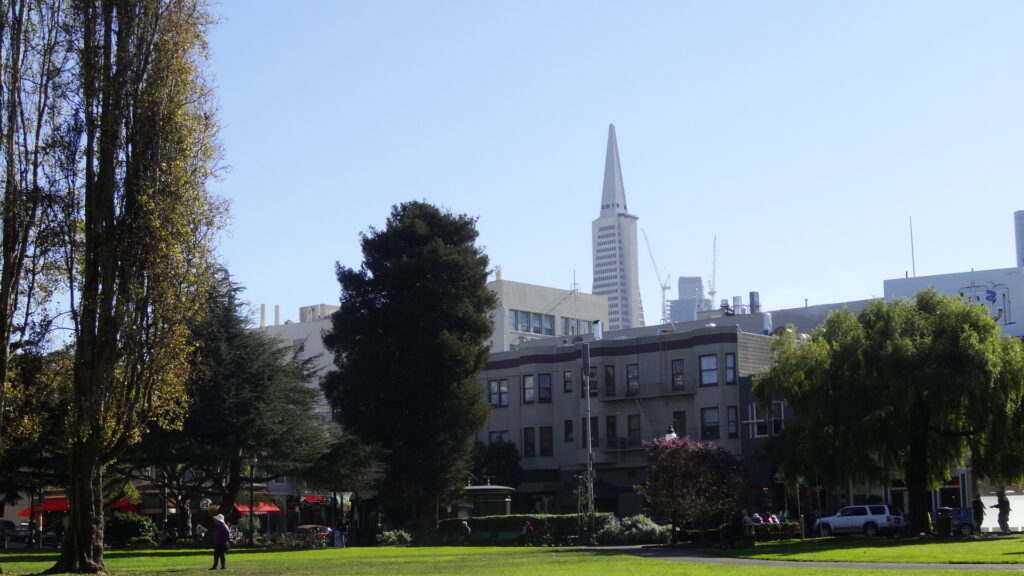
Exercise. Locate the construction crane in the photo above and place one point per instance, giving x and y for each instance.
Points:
(665, 319)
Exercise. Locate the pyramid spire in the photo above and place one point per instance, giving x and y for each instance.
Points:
(613, 196)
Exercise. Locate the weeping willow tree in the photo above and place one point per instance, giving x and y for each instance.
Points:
(146, 224)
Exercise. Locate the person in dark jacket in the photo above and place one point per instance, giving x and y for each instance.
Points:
(220, 536)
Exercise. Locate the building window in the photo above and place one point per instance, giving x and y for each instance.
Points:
(732, 421)
(524, 321)
(709, 424)
(633, 429)
(679, 422)
(568, 430)
(758, 422)
(546, 446)
(544, 388)
(632, 379)
(595, 439)
(497, 436)
(730, 368)
(549, 325)
(497, 393)
(536, 322)
(677, 374)
(529, 389)
(609, 380)
(529, 443)
(610, 433)
(778, 416)
(513, 320)
(590, 382)
(709, 370)
(567, 381)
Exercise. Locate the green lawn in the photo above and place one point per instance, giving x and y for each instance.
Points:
(525, 561)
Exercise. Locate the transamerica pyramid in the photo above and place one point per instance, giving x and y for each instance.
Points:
(615, 247)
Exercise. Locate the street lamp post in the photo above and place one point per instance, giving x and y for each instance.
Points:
(252, 490)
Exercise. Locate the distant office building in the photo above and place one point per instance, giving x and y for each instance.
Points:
(615, 250)
(691, 300)
(528, 312)
(1000, 290)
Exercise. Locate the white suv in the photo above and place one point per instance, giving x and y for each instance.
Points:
(871, 520)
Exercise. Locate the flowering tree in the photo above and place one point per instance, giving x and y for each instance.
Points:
(691, 483)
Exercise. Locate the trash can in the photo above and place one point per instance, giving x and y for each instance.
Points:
(944, 521)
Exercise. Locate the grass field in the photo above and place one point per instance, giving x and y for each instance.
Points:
(479, 561)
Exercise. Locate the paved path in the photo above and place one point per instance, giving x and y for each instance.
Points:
(699, 556)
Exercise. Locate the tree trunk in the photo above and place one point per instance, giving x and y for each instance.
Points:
(428, 522)
(83, 545)
(917, 473)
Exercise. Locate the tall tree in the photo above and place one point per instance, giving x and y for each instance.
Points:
(35, 112)
(497, 463)
(148, 148)
(408, 342)
(910, 386)
(248, 394)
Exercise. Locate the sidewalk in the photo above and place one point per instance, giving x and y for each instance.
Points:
(699, 556)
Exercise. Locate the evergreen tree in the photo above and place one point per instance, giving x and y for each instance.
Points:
(248, 395)
(408, 343)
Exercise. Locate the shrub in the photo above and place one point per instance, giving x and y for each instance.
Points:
(140, 542)
(637, 529)
(548, 529)
(782, 531)
(242, 528)
(394, 538)
(124, 526)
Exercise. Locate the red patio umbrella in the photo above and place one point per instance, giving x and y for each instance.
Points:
(259, 508)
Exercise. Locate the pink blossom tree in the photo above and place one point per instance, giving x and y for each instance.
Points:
(691, 483)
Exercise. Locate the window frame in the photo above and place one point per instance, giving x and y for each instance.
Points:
(497, 392)
(678, 376)
(529, 442)
(609, 380)
(730, 368)
(544, 388)
(632, 379)
(709, 430)
(567, 432)
(705, 372)
(545, 437)
(732, 421)
(529, 383)
(567, 381)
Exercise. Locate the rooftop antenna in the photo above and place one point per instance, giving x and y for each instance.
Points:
(665, 286)
(913, 264)
(714, 265)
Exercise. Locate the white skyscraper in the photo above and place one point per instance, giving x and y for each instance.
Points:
(615, 247)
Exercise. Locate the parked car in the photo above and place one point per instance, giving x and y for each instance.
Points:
(312, 529)
(870, 520)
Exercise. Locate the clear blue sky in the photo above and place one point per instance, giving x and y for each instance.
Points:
(803, 135)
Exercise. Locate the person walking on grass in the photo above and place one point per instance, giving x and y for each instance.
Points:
(1003, 504)
(221, 536)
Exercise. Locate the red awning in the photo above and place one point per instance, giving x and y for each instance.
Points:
(49, 505)
(124, 505)
(259, 508)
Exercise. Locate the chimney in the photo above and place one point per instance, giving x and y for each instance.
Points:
(277, 314)
(497, 273)
(755, 302)
(263, 315)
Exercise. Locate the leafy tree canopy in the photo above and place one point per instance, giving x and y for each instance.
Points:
(912, 386)
(408, 342)
(497, 463)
